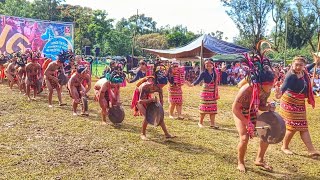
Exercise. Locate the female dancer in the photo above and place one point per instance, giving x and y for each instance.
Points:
(176, 79)
(209, 94)
(294, 90)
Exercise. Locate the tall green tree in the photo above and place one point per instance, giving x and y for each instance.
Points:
(118, 43)
(20, 8)
(250, 17)
(46, 9)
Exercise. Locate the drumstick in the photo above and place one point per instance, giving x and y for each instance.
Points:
(263, 127)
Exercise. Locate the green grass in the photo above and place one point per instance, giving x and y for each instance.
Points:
(41, 143)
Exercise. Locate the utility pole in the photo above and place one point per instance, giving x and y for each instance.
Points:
(133, 38)
(285, 43)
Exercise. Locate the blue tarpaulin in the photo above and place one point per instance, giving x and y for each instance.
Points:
(211, 46)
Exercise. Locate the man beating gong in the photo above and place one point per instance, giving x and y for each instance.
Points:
(106, 92)
(252, 97)
(146, 89)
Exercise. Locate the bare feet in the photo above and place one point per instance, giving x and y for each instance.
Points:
(214, 127)
(50, 106)
(84, 114)
(264, 166)
(180, 117)
(287, 151)
(104, 123)
(169, 136)
(200, 125)
(314, 154)
(172, 117)
(241, 168)
(75, 114)
(144, 137)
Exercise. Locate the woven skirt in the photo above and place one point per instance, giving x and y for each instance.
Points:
(175, 94)
(293, 111)
(208, 103)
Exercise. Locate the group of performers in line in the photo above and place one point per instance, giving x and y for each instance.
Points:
(252, 97)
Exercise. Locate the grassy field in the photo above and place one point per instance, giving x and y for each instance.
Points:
(41, 143)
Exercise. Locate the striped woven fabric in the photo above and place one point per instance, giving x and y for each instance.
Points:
(175, 94)
(253, 114)
(208, 103)
(293, 111)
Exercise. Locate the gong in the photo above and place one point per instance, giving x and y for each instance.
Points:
(116, 114)
(154, 113)
(63, 80)
(270, 127)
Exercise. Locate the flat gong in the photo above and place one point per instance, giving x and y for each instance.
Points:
(276, 127)
(154, 113)
(63, 80)
(116, 114)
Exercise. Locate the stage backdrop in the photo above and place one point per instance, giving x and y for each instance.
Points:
(19, 34)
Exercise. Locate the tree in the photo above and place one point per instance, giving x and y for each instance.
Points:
(20, 8)
(153, 41)
(142, 24)
(99, 27)
(118, 43)
(301, 27)
(46, 9)
(249, 17)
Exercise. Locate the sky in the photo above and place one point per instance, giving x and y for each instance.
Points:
(198, 16)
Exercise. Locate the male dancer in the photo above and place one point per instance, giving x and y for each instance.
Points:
(52, 81)
(107, 94)
(10, 72)
(77, 91)
(146, 89)
(33, 70)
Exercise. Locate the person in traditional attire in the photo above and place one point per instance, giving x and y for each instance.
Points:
(252, 96)
(11, 72)
(296, 87)
(140, 74)
(77, 91)
(209, 94)
(107, 93)
(52, 81)
(21, 75)
(33, 78)
(146, 89)
(176, 78)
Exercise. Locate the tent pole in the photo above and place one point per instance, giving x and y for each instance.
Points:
(201, 57)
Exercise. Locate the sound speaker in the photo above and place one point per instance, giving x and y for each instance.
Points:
(87, 50)
(97, 51)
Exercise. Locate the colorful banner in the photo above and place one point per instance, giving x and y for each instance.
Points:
(20, 34)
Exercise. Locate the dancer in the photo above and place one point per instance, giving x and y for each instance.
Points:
(140, 74)
(51, 80)
(176, 78)
(209, 94)
(107, 93)
(146, 89)
(21, 75)
(296, 87)
(252, 97)
(77, 91)
(33, 76)
(10, 72)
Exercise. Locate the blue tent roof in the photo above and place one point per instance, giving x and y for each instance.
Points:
(211, 46)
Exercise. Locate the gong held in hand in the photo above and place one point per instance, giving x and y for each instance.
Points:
(116, 114)
(270, 127)
(154, 113)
